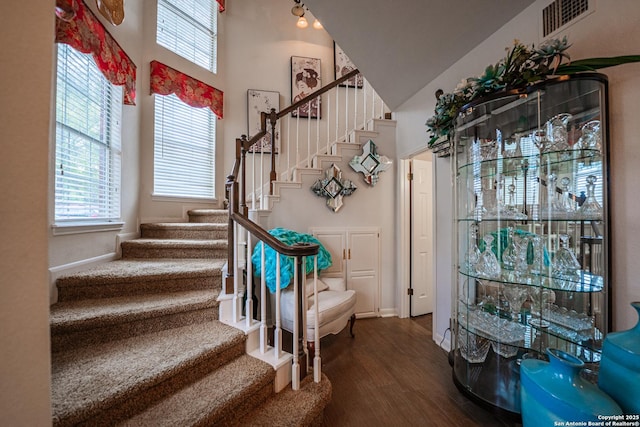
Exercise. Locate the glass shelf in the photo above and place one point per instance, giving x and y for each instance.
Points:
(583, 281)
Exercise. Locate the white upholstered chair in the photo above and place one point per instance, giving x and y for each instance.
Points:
(336, 307)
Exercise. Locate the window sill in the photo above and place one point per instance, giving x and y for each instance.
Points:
(179, 199)
(64, 228)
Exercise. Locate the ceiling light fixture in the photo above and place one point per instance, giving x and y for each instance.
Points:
(302, 22)
(299, 10)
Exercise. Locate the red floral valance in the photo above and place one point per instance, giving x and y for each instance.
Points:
(77, 26)
(221, 5)
(166, 80)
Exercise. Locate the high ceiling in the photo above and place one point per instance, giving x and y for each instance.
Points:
(401, 45)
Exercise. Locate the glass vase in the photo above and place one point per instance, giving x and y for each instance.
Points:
(555, 391)
(620, 366)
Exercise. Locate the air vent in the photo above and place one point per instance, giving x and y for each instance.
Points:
(560, 13)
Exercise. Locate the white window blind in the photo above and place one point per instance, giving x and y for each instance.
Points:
(189, 29)
(184, 151)
(88, 152)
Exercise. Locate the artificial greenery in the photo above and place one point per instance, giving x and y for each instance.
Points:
(521, 67)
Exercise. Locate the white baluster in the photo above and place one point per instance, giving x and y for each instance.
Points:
(318, 128)
(297, 138)
(309, 136)
(337, 114)
(373, 103)
(317, 365)
(248, 307)
(263, 302)
(355, 104)
(295, 368)
(261, 177)
(328, 118)
(346, 114)
(364, 106)
(288, 148)
(235, 313)
(277, 333)
(253, 181)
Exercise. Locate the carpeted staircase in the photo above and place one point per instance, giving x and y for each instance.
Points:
(137, 341)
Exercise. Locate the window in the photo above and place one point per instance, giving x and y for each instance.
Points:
(189, 29)
(184, 152)
(88, 156)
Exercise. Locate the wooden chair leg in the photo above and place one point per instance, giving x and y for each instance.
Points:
(352, 320)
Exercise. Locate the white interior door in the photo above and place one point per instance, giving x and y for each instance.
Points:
(421, 238)
(335, 242)
(363, 254)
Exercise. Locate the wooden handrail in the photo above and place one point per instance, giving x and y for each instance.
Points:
(263, 116)
(297, 249)
(317, 93)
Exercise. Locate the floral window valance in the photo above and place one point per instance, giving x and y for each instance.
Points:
(77, 26)
(221, 5)
(165, 80)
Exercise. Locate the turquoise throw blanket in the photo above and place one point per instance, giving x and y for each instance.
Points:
(286, 262)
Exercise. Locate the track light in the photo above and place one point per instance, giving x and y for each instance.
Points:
(299, 10)
(302, 22)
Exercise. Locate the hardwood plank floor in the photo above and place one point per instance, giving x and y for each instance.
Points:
(393, 374)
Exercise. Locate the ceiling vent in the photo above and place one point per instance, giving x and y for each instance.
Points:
(561, 12)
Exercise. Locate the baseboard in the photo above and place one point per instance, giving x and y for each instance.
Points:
(388, 312)
(442, 342)
(74, 267)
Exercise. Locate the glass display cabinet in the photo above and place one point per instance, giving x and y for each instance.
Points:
(531, 210)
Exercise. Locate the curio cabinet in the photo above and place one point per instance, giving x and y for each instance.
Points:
(532, 241)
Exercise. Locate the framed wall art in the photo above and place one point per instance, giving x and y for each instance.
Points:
(343, 65)
(305, 79)
(257, 102)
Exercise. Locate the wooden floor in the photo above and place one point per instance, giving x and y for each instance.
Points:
(393, 374)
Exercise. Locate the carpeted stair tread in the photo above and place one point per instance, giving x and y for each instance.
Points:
(188, 230)
(208, 215)
(289, 408)
(217, 399)
(89, 380)
(178, 243)
(93, 313)
(131, 271)
(186, 225)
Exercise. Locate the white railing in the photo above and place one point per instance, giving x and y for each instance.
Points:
(332, 114)
(341, 109)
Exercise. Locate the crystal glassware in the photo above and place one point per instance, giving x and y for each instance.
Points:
(591, 138)
(590, 209)
(557, 135)
(488, 265)
(565, 264)
(511, 210)
(537, 264)
(516, 296)
(568, 206)
(510, 253)
(554, 205)
(473, 253)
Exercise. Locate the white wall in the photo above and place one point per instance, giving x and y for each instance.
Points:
(25, 88)
(613, 29)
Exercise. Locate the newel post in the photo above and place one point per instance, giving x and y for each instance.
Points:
(302, 312)
(273, 119)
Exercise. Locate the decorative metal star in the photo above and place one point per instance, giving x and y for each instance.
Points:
(370, 163)
(333, 187)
